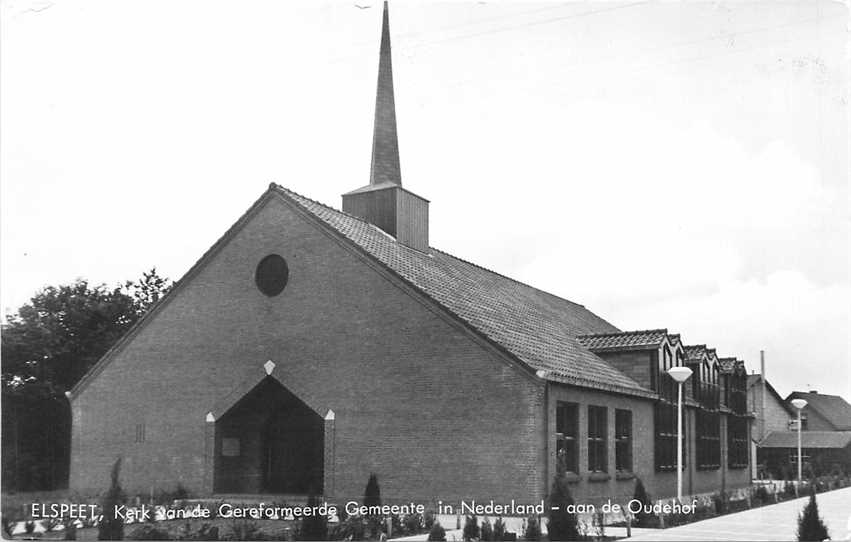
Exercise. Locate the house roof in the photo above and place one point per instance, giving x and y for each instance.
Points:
(755, 379)
(695, 353)
(809, 439)
(625, 340)
(675, 339)
(538, 328)
(728, 365)
(832, 408)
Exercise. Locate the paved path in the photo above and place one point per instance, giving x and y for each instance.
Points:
(773, 522)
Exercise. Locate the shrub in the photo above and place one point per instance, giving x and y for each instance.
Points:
(315, 526)
(372, 493)
(810, 525)
(437, 532)
(428, 520)
(244, 530)
(642, 518)
(372, 497)
(147, 531)
(70, 532)
(720, 501)
(789, 489)
(487, 531)
(761, 494)
(499, 529)
(111, 527)
(471, 528)
(352, 528)
(412, 523)
(204, 532)
(533, 529)
(561, 524)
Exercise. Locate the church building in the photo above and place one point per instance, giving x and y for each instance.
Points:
(310, 347)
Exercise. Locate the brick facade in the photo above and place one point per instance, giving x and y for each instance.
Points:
(418, 400)
(402, 388)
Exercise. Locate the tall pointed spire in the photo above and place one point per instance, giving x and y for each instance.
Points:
(383, 202)
(385, 143)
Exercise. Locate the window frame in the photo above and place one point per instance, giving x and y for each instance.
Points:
(564, 440)
(597, 438)
(623, 440)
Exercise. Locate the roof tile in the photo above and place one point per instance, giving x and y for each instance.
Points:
(537, 327)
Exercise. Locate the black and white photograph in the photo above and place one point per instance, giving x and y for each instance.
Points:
(410, 270)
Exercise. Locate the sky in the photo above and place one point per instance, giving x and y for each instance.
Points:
(680, 165)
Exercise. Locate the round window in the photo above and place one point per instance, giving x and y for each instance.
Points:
(272, 275)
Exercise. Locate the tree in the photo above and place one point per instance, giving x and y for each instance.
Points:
(561, 521)
(46, 347)
(810, 525)
(111, 527)
(57, 337)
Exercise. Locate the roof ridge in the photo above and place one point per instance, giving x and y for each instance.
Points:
(317, 202)
(619, 333)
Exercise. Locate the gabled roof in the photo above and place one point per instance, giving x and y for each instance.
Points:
(755, 379)
(728, 365)
(832, 408)
(536, 327)
(675, 339)
(695, 353)
(625, 340)
(809, 439)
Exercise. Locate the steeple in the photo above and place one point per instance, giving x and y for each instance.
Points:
(383, 202)
(385, 143)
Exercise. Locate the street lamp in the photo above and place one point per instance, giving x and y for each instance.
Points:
(680, 375)
(799, 404)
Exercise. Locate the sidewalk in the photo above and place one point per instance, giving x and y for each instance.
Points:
(773, 522)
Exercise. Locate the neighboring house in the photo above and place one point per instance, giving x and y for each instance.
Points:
(770, 414)
(774, 414)
(822, 453)
(310, 347)
(823, 412)
(825, 432)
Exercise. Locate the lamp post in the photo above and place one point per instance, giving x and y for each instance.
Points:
(680, 375)
(799, 404)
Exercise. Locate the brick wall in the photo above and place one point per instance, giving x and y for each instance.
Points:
(432, 411)
(635, 365)
(595, 491)
(775, 417)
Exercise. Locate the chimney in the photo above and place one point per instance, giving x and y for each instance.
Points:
(383, 202)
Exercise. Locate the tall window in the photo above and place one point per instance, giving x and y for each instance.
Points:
(567, 425)
(597, 432)
(623, 440)
(708, 440)
(737, 439)
(738, 393)
(665, 441)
